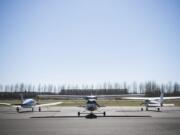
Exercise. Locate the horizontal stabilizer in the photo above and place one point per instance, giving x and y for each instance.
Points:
(168, 105)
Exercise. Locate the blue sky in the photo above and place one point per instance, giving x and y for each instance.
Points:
(89, 41)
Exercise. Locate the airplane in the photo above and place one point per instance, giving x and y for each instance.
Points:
(91, 106)
(152, 102)
(29, 103)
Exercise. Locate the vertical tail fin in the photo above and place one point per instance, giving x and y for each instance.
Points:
(91, 93)
(22, 99)
(161, 98)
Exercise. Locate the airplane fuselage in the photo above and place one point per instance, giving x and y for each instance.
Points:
(152, 103)
(28, 103)
(91, 106)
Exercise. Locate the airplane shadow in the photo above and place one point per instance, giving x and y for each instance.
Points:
(14, 112)
(8, 112)
(139, 111)
(128, 111)
(89, 116)
(37, 111)
(166, 111)
(169, 111)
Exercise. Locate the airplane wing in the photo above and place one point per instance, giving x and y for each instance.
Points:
(136, 98)
(169, 98)
(11, 105)
(40, 105)
(61, 96)
(49, 104)
(150, 98)
(121, 96)
(83, 96)
(6, 104)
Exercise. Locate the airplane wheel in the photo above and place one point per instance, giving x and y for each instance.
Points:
(17, 109)
(32, 109)
(104, 114)
(146, 108)
(39, 109)
(141, 109)
(79, 114)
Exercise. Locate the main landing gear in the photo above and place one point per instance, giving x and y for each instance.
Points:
(79, 114)
(104, 114)
(158, 109)
(142, 109)
(147, 109)
(39, 109)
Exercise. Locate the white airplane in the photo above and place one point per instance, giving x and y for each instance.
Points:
(91, 106)
(29, 103)
(152, 102)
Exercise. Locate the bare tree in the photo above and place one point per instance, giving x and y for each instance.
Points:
(22, 87)
(1, 87)
(39, 88)
(134, 87)
(176, 89)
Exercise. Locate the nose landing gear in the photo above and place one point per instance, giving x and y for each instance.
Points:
(17, 109)
(104, 114)
(39, 109)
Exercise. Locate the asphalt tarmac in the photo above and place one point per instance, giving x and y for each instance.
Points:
(64, 121)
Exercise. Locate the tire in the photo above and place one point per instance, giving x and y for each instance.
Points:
(104, 113)
(17, 109)
(158, 109)
(39, 109)
(79, 114)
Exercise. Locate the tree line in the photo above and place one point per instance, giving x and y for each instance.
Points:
(150, 88)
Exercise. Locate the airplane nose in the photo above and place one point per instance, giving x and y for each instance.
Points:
(90, 108)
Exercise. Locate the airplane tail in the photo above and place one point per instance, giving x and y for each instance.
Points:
(91, 93)
(161, 98)
(22, 98)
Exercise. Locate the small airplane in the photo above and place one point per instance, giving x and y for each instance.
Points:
(29, 103)
(152, 102)
(91, 105)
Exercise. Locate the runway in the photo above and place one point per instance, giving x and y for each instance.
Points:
(165, 122)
